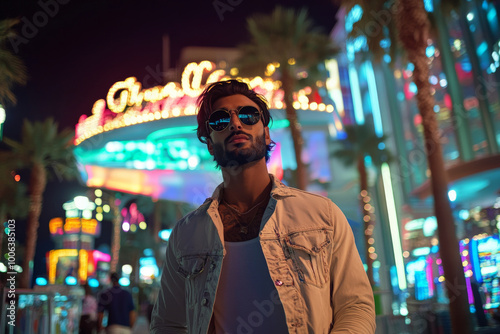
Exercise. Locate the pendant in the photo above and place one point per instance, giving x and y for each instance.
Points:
(244, 229)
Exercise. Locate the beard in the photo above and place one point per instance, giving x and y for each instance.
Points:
(241, 156)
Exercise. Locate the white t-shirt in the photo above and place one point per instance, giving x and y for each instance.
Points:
(247, 300)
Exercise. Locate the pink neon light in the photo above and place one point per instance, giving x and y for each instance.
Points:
(469, 291)
(275, 163)
(429, 275)
(99, 256)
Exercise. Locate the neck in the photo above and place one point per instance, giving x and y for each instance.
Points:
(246, 185)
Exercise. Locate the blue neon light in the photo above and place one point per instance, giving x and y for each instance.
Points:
(165, 234)
(482, 48)
(353, 17)
(429, 6)
(372, 89)
(475, 261)
(385, 43)
(492, 18)
(413, 87)
(41, 281)
(356, 95)
(70, 280)
(430, 50)
(93, 283)
(124, 281)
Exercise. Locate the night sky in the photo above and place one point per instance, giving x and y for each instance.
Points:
(75, 50)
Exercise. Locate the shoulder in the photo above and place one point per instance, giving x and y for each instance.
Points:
(305, 199)
(290, 195)
(194, 216)
(187, 227)
(311, 210)
(104, 295)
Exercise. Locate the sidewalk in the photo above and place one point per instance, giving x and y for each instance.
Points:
(141, 325)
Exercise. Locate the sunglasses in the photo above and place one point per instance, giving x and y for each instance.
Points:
(219, 120)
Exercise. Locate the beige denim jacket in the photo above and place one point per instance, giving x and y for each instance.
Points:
(311, 256)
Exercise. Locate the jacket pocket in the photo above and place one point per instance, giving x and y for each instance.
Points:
(310, 252)
(191, 268)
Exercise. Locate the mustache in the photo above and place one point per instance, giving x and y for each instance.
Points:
(235, 134)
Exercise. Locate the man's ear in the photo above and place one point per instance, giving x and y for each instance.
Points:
(267, 135)
(210, 146)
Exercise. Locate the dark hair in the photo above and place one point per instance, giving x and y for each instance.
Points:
(220, 89)
(114, 277)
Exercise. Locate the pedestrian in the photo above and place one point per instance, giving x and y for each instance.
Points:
(119, 305)
(88, 319)
(258, 256)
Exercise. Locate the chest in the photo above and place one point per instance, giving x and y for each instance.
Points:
(240, 226)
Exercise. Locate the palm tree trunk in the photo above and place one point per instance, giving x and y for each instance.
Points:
(157, 221)
(368, 223)
(38, 181)
(157, 224)
(291, 115)
(115, 241)
(413, 26)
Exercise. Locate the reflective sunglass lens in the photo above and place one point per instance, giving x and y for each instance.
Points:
(219, 120)
(249, 115)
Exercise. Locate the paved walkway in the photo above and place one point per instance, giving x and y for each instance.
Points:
(141, 325)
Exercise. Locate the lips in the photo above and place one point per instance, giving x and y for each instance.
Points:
(238, 139)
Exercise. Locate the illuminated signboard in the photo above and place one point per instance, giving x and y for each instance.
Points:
(60, 261)
(128, 104)
(72, 226)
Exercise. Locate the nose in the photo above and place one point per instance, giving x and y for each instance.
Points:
(235, 121)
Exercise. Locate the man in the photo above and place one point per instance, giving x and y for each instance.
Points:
(120, 307)
(258, 256)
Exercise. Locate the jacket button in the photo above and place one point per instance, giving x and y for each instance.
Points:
(204, 301)
(278, 282)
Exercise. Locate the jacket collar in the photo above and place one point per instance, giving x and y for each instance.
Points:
(278, 190)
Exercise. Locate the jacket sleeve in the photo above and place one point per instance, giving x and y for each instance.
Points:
(169, 312)
(352, 296)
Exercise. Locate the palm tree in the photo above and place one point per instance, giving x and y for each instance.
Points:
(360, 142)
(407, 24)
(12, 69)
(45, 151)
(287, 41)
(13, 202)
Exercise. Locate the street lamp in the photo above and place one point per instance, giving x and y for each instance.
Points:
(81, 203)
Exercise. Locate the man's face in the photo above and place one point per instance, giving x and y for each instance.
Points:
(239, 143)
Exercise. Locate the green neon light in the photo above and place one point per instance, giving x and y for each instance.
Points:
(279, 124)
(174, 131)
(190, 130)
(393, 223)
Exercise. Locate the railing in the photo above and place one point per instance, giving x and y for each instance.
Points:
(49, 310)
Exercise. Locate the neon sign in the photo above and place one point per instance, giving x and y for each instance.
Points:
(88, 261)
(72, 226)
(128, 104)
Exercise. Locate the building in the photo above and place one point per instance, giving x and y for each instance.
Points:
(464, 60)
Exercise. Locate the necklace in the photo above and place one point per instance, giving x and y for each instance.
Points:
(243, 228)
(238, 211)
